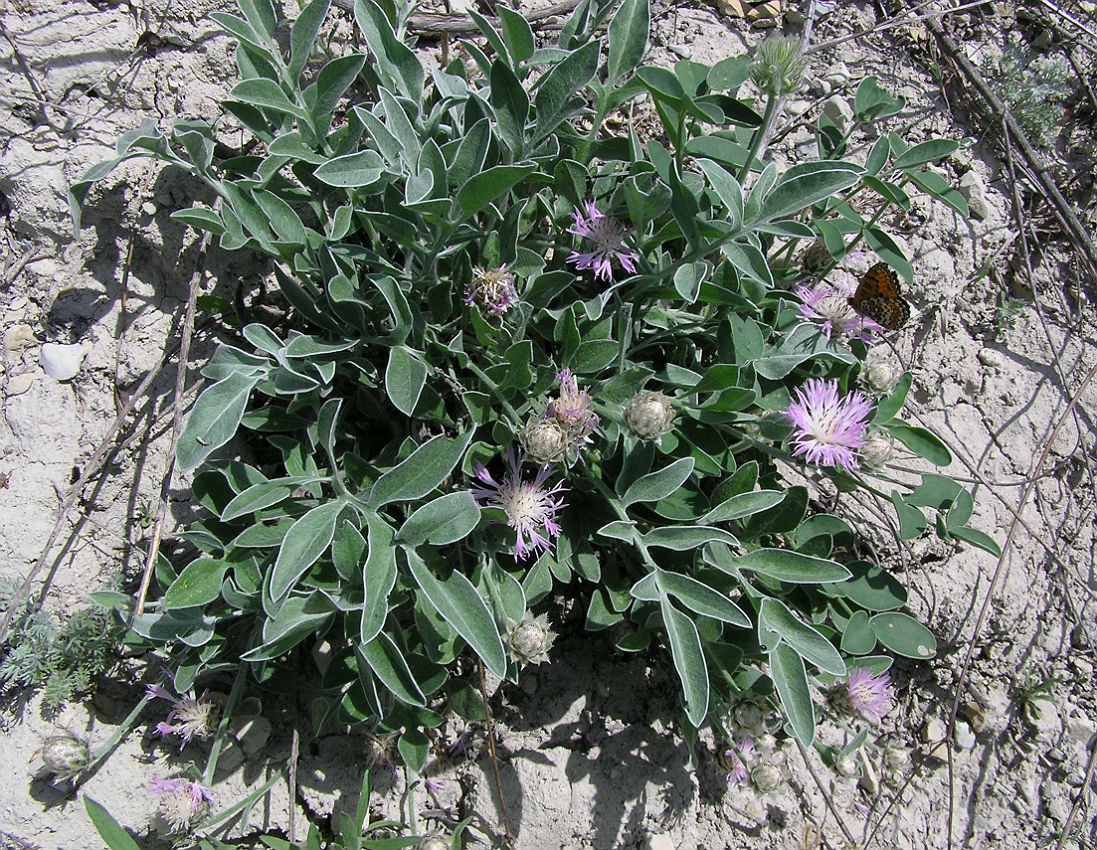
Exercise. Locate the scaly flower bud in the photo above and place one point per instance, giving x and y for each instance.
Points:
(544, 440)
(778, 66)
(649, 415)
(64, 755)
(530, 640)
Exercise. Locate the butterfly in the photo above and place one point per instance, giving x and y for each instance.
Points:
(877, 297)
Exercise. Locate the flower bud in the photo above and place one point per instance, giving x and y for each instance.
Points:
(897, 759)
(878, 372)
(778, 66)
(64, 755)
(766, 778)
(750, 717)
(846, 766)
(878, 449)
(530, 640)
(544, 440)
(649, 415)
(433, 842)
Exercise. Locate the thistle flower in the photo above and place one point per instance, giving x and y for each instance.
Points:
(188, 718)
(493, 288)
(64, 755)
(529, 505)
(608, 237)
(649, 415)
(878, 371)
(778, 65)
(866, 694)
(734, 760)
(530, 639)
(571, 408)
(181, 801)
(829, 429)
(544, 440)
(827, 303)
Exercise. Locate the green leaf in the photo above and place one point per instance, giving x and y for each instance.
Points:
(977, 538)
(421, 472)
(701, 599)
(485, 187)
(660, 484)
(198, 584)
(332, 82)
(791, 680)
(307, 539)
(858, 637)
(727, 189)
(594, 355)
(517, 35)
(792, 567)
(115, 837)
(887, 408)
(388, 664)
(920, 154)
(378, 576)
(266, 94)
(263, 495)
(904, 635)
(682, 538)
(689, 661)
(922, 442)
(555, 99)
(809, 643)
(912, 522)
(805, 184)
(447, 519)
(303, 35)
(871, 588)
(396, 62)
(352, 170)
(628, 39)
(405, 377)
(743, 505)
(461, 606)
(214, 418)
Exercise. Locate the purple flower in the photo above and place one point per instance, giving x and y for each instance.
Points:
(867, 694)
(188, 718)
(180, 801)
(733, 760)
(829, 428)
(607, 236)
(529, 505)
(493, 288)
(827, 303)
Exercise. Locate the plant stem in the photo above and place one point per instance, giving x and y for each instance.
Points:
(761, 133)
(223, 726)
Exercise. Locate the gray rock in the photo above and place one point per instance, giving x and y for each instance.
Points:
(253, 735)
(838, 110)
(975, 193)
(662, 841)
(990, 357)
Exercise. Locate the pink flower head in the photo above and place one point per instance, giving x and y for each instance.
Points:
(493, 288)
(733, 761)
(571, 409)
(608, 237)
(180, 801)
(867, 694)
(827, 304)
(189, 717)
(829, 428)
(530, 507)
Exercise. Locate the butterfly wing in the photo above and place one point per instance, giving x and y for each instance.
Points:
(877, 297)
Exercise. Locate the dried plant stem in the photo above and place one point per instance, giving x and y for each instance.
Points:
(1073, 228)
(826, 794)
(186, 335)
(1082, 792)
(494, 757)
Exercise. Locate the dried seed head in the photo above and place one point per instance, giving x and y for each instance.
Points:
(64, 755)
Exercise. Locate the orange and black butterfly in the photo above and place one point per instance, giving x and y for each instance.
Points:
(877, 297)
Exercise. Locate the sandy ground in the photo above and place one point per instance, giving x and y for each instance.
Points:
(591, 755)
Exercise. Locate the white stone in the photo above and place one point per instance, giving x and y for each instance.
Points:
(661, 841)
(18, 337)
(62, 362)
(253, 735)
(975, 193)
(990, 357)
(19, 384)
(965, 738)
(838, 110)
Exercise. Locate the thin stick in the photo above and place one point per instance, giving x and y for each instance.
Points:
(427, 24)
(494, 758)
(1062, 842)
(826, 796)
(177, 422)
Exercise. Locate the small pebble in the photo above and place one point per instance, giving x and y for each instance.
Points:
(965, 738)
(682, 50)
(18, 337)
(662, 841)
(62, 362)
(19, 384)
(933, 735)
(990, 357)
